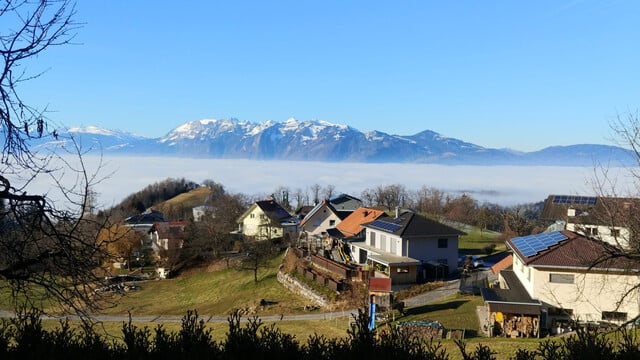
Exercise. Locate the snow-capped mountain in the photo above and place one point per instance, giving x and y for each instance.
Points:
(324, 141)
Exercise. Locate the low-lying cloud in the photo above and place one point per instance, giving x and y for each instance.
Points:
(504, 185)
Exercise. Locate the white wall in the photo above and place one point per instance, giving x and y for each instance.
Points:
(604, 233)
(320, 221)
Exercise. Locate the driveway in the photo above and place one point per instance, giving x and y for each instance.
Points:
(451, 288)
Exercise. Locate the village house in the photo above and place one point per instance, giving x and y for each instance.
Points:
(351, 227)
(203, 211)
(604, 218)
(167, 235)
(327, 214)
(562, 276)
(145, 220)
(407, 247)
(267, 220)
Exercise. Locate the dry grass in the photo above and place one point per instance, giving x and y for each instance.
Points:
(216, 292)
(188, 200)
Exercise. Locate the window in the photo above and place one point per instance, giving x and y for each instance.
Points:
(614, 316)
(402, 270)
(332, 223)
(252, 216)
(561, 278)
(372, 238)
(383, 242)
(615, 232)
(443, 243)
(590, 231)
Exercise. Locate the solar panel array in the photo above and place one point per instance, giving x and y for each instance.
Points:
(383, 225)
(533, 244)
(572, 199)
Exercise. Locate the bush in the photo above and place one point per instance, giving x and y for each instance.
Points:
(24, 338)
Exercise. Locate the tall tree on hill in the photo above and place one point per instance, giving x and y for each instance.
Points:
(122, 242)
(45, 251)
(257, 255)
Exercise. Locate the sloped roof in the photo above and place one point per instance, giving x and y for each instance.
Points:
(513, 300)
(589, 209)
(578, 252)
(503, 264)
(273, 210)
(352, 224)
(410, 224)
(150, 216)
(324, 204)
(340, 199)
(303, 210)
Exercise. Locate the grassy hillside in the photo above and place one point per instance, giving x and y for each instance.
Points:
(212, 291)
(188, 200)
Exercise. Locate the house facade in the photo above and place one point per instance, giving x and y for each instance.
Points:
(575, 277)
(203, 211)
(267, 220)
(322, 217)
(404, 247)
(167, 235)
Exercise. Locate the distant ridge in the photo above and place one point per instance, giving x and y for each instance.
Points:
(315, 140)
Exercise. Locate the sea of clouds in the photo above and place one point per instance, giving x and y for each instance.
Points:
(504, 185)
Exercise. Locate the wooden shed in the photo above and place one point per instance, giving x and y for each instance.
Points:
(510, 311)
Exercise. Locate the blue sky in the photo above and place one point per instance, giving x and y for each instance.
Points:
(516, 74)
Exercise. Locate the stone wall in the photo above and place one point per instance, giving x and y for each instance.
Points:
(299, 288)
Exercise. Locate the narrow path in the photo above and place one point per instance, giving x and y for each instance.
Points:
(451, 288)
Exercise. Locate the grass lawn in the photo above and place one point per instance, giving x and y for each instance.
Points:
(215, 292)
(475, 241)
(459, 312)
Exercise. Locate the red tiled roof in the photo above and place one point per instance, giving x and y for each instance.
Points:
(352, 224)
(502, 264)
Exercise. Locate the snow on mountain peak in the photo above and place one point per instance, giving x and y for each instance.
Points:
(91, 130)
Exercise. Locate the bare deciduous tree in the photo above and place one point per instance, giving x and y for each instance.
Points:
(47, 252)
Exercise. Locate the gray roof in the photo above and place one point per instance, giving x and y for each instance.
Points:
(513, 300)
(410, 224)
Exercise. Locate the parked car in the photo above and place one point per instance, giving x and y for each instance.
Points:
(470, 262)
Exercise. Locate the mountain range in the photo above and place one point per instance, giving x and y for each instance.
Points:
(324, 141)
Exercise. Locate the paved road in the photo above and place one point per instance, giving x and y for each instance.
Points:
(425, 298)
(451, 288)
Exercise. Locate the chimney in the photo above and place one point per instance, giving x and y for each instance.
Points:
(397, 211)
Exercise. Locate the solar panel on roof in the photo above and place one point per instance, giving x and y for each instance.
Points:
(573, 199)
(533, 244)
(383, 225)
